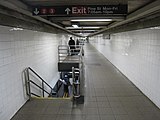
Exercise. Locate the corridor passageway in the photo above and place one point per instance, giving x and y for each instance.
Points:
(109, 95)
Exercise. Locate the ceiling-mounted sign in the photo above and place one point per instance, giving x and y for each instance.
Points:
(81, 10)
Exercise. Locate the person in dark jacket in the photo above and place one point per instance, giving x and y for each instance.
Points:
(71, 44)
(66, 85)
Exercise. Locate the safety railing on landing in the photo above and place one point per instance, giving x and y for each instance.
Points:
(76, 77)
(29, 82)
(70, 54)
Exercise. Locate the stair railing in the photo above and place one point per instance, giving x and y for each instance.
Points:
(76, 82)
(28, 82)
(64, 52)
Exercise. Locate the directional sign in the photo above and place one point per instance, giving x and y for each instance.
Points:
(81, 10)
(36, 12)
(67, 10)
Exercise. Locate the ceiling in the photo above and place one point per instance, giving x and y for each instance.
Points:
(66, 23)
(132, 4)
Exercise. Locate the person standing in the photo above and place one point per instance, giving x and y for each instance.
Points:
(66, 85)
(71, 44)
(77, 42)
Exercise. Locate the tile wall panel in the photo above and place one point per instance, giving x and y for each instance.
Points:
(137, 55)
(18, 50)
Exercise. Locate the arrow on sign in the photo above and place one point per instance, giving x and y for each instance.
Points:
(67, 10)
(36, 11)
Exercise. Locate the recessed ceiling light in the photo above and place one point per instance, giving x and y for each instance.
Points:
(91, 20)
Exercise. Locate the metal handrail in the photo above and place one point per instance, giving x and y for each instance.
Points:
(65, 53)
(28, 81)
(39, 77)
(39, 87)
(58, 86)
(76, 90)
(35, 94)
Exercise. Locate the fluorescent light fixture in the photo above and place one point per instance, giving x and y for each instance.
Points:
(85, 30)
(155, 28)
(82, 27)
(125, 54)
(16, 29)
(91, 27)
(75, 26)
(91, 20)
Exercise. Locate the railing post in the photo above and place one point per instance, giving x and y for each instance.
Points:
(57, 88)
(43, 88)
(73, 89)
(28, 83)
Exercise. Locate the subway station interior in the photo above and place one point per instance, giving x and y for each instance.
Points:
(111, 71)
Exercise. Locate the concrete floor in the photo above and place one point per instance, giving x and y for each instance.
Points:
(108, 96)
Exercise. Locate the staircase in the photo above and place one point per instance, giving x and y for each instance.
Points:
(71, 82)
(71, 61)
(37, 87)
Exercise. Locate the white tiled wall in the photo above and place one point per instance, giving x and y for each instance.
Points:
(18, 50)
(137, 55)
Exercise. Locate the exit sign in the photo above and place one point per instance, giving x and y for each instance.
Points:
(80, 10)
